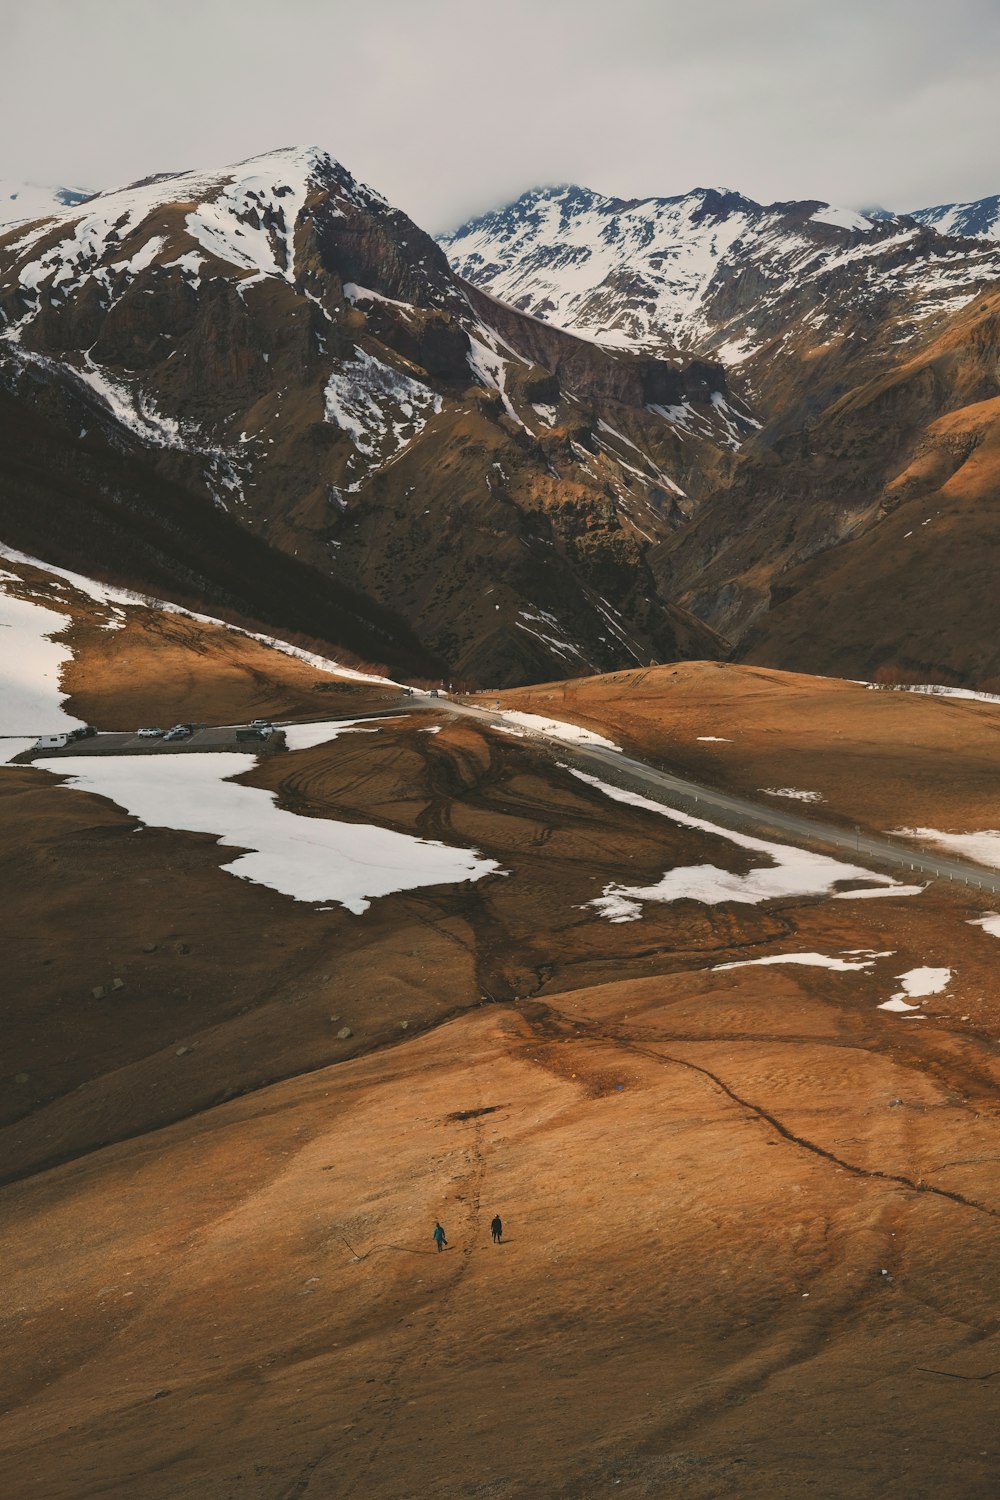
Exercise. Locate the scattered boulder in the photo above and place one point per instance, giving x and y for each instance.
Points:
(149, 947)
(97, 993)
(22, 1077)
(344, 1033)
(117, 984)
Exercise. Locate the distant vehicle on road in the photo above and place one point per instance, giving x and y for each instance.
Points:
(179, 732)
(52, 741)
(85, 732)
(149, 733)
(261, 724)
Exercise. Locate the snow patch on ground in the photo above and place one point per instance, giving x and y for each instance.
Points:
(713, 739)
(305, 736)
(983, 847)
(989, 922)
(792, 792)
(917, 984)
(792, 872)
(556, 729)
(310, 859)
(811, 960)
(30, 666)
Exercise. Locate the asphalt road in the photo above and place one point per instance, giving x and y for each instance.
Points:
(745, 815)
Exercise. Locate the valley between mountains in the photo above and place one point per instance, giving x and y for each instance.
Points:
(580, 637)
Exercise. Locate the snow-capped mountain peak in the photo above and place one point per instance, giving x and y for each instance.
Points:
(709, 272)
(242, 216)
(23, 202)
(977, 220)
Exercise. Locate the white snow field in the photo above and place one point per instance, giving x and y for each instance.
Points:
(810, 960)
(310, 859)
(917, 984)
(556, 729)
(989, 922)
(791, 872)
(30, 663)
(983, 847)
(305, 736)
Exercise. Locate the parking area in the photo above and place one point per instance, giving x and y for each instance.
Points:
(201, 739)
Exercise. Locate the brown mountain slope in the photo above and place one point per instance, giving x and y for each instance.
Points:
(749, 1217)
(866, 537)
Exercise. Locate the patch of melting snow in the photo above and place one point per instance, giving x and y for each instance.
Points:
(305, 736)
(989, 922)
(983, 847)
(917, 984)
(792, 872)
(810, 960)
(792, 792)
(556, 729)
(30, 665)
(310, 859)
(713, 739)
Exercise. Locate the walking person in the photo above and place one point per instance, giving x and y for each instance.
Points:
(496, 1229)
(439, 1236)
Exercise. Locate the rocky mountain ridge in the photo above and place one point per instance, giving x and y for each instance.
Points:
(711, 272)
(860, 342)
(279, 340)
(979, 219)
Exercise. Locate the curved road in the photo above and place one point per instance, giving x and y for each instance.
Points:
(742, 813)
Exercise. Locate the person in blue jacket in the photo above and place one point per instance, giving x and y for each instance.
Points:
(439, 1236)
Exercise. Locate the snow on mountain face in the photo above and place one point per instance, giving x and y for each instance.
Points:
(276, 337)
(27, 201)
(162, 237)
(708, 272)
(632, 274)
(243, 216)
(977, 220)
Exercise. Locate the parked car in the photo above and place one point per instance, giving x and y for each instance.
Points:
(149, 733)
(261, 724)
(85, 732)
(179, 732)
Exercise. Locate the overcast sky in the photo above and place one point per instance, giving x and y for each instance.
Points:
(450, 108)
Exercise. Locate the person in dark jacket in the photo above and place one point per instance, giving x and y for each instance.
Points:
(439, 1236)
(496, 1229)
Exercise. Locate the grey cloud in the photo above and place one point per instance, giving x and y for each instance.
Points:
(449, 108)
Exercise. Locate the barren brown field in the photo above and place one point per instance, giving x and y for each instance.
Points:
(751, 1221)
(876, 756)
